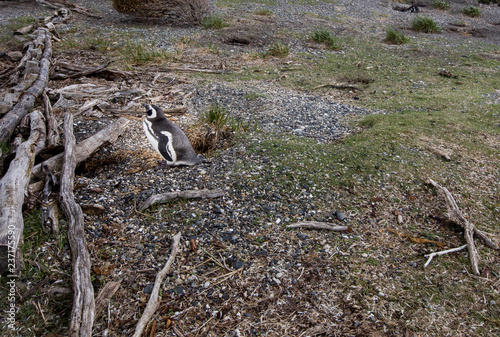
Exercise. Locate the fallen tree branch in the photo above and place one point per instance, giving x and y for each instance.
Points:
(52, 130)
(10, 121)
(12, 189)
(192, 70)
(153, 299)
(86, 147)
(83, 311)
(57, 4)
(190, 194)
(320, 225)
(340, 86)
(432, 255)
(105, 294)
(456, 216)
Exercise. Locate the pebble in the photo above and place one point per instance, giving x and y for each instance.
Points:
(340, 216)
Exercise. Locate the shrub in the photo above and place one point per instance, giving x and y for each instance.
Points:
(322, 35)
(395, 37)
(264, 12)
(471, 11)
(425, 24)
(441, 4)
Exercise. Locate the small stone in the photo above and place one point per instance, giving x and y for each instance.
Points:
(206, 285)
(356, 324)
(238, 265)
(148, 289)
(340, 216)
(139, 246)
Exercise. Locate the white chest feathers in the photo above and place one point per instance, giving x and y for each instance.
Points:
(161, 141)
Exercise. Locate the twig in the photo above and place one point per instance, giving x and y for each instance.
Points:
(189, 194)
(455, 215)
(153, 299)
(320, 225)
(432, 255)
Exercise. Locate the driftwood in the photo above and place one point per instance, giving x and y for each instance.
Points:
(320, 225)
(456, 216)
(190, 70)
(52, 127)
(153, 299)
(21, 109)
(340, 86)
(432, 255)
(83, 311)
(77, 71)
(50, 208)
(12, 189)
(86, 147)
(57, 4)
(105, 294)
(190, 194)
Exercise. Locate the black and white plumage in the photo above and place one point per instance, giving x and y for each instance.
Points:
(168, 139)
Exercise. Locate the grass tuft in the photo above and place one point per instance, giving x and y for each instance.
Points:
(425, 24)
(214, 22)
(441, 4)
(322, 35)
(278, 49)
(395, 37)
(472, 11)
(264, 12)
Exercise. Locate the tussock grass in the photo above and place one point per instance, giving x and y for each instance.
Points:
(425, 24)
(277, 49)
(321, 35)
(441, 4)
(214, 22)
(471, 11)
(395, 37)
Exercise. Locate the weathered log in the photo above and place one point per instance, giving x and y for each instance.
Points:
(12, 189)
(52, 129)
(190, 194)
(57, 4)
(153, 299)
(9, 122)
(80, 71)
(86, 147)
(83, 72)
(83, 311)
(320, 225)
(50, 208)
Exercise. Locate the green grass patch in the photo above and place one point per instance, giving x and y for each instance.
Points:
(277, 49)
(471, 11)
(425, 24)
(214, 22)
(395, 37)
(264, 12)
(321, 35)
(441, 4)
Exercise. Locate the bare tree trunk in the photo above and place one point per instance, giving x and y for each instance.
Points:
(12, 189)
(83, 311)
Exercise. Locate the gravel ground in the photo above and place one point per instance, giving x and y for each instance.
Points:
(248, 275)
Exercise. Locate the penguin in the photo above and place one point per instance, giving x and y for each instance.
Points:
(168, 140)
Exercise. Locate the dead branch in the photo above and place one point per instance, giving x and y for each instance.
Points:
(320, 225)
(12, 189)
(83, 72)
(190, 194)
(432, 255)
(83, 311)
(86, 147)
(193, 70)
(153, 299)
(456, 216)
(57, 4)
(105, 294)
(477, 232)
(340, 86)
(10, 121)
(50, 208)
(52, 129)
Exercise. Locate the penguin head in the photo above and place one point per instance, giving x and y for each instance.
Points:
(153, 112)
